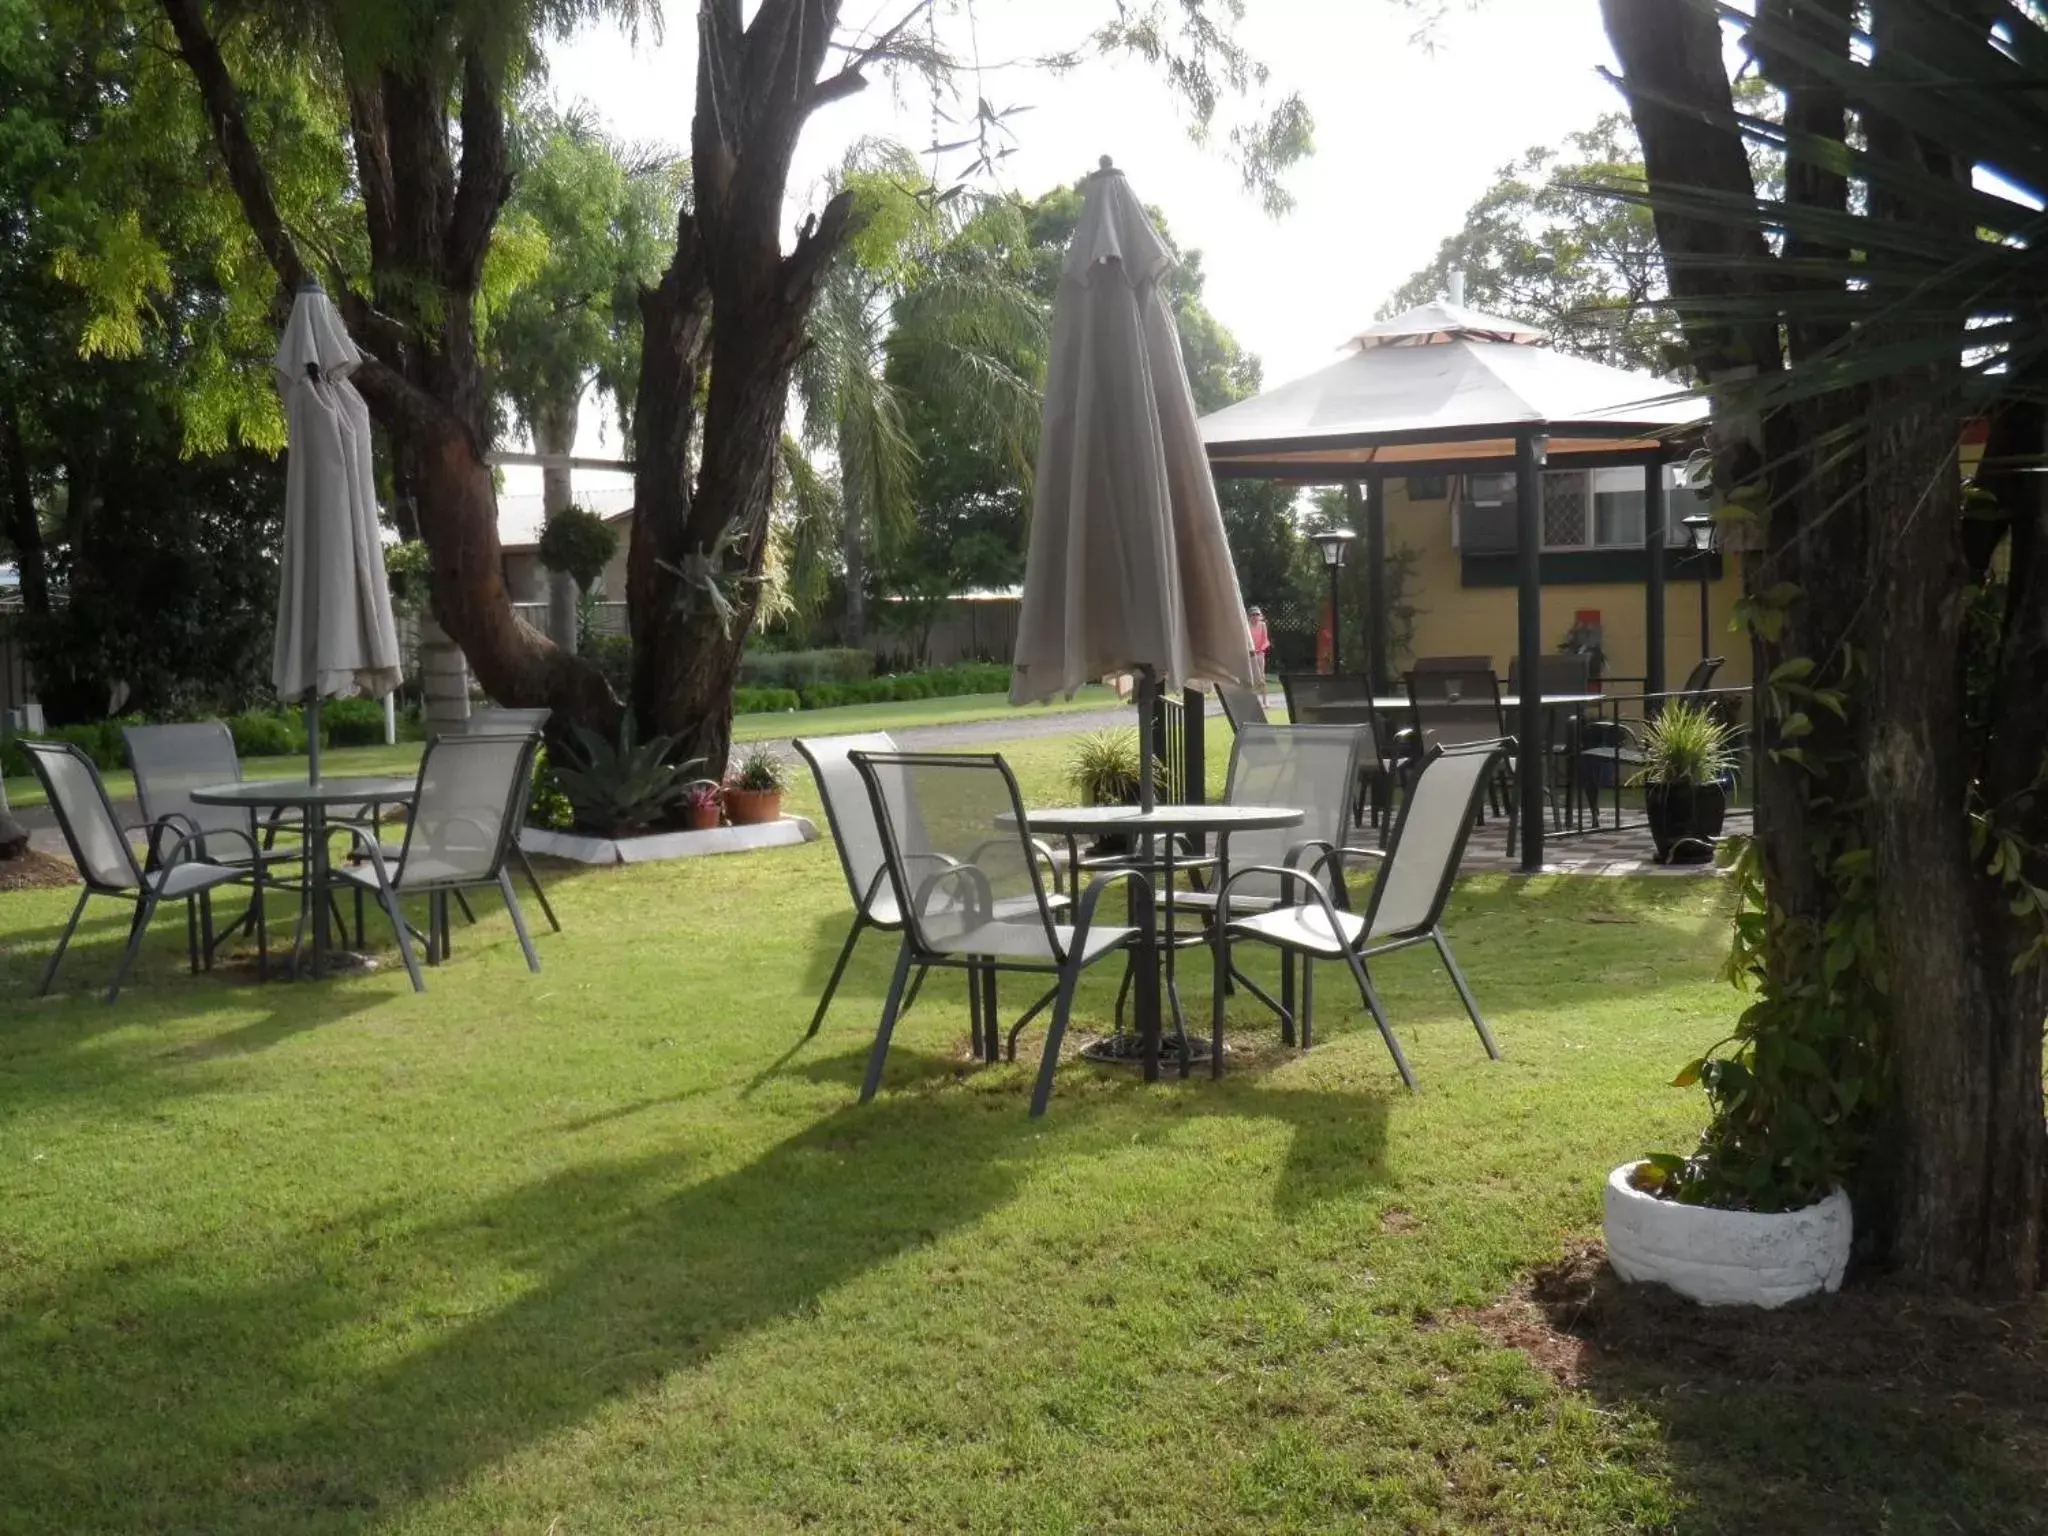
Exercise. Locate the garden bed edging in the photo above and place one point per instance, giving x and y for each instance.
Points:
(785, 832)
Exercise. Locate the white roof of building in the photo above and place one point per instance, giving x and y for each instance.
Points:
(520, 517)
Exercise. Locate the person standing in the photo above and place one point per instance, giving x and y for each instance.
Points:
(1262, 642)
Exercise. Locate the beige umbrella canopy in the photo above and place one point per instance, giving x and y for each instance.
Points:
(1129, 569)
(335, 634)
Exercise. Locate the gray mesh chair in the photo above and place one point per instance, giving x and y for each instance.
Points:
(1346, 698)
(1416, 873)
(459, 837)
(107, 863)
(850, 815)
(1311, 767)
(169, 762)
(970, 884)
(519, 722)
(1563, 672)
(1241, 706)
(1460, 707)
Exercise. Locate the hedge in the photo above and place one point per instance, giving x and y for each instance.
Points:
(803, 670)
(765, 701)
(262, 733)
(937, 683)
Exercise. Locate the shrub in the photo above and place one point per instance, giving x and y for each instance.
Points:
(1105, 768)
(765, 701)
(613, 656)
(802, 670)
(352, 722)
(268, 734)
(578, 543)
(547, 806)
(623, 788)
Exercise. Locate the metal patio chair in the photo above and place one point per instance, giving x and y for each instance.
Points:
(516, 722)
(464, 817)
(107, 864)
(1416, 873)
(969, 881)
(1563, 725)
(1460, 707)
(1241, 706)
(169, 762)
(1346, 698)
(1311, 767)
(1612, 751)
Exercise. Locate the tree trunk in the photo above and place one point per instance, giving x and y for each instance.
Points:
(853, 554)
(554, 431)
(23, 529)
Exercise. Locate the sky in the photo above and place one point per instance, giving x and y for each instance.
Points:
(1407, 137)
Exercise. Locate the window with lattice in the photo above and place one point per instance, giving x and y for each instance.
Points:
(1564, 510)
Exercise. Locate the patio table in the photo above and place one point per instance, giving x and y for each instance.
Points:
(314, 802)
(1160, 827)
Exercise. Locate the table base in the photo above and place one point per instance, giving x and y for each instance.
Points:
(1128, 1050)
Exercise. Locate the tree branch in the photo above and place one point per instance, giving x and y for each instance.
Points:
(849, 79)
(230, 124)
(484, 182)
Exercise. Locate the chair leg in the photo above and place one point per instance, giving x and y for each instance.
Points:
(839, 970)
(1289, 1008)
(518, 919)
(388, 899)
(63, 943)
(539, 895)
(991, 1018)
(1218, 990)
(1443, 948)
(206, 928)
(890, 1009)
(192, 934)
(1308, 1002)
(974, 1009)
(1063, 1006)
(916, 986)
(461, 901)
(145, 909)
(1379, 1016)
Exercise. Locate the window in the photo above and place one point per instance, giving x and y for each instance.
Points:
(1582, 509)
(1427, 487)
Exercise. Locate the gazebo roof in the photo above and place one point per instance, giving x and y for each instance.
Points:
(1446, 388)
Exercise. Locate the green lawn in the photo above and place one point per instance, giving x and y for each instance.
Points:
(613, 1248)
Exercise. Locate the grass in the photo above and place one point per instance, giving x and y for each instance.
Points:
(404, 758)
(614, 1248)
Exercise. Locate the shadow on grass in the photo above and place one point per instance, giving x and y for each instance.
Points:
(625, 1273)
(1876, 1409)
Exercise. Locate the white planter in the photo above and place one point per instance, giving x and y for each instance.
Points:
(1726, 1258)
(784, 833)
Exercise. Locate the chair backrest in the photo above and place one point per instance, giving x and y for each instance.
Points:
(170, 761)
(506, 722)
(1556, 672)
(1702, 674)
(850, 813)
(959, 851)
(1454, 707)
(1309, 694)
(1451, 664)
(1429, 840)
(465, 812)
(85, 815)
(1311, 767)
(1241, 706)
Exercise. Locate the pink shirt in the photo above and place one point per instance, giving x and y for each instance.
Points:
(1260, 642)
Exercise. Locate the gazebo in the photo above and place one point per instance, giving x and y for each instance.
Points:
(1445, 390)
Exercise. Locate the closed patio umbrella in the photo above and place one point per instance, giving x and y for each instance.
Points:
(335, 636)
(1129, 570)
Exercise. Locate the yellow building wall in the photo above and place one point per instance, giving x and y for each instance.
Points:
(1456, 620)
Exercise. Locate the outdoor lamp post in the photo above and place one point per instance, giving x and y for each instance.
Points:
(1699, 528)
(1335, 543)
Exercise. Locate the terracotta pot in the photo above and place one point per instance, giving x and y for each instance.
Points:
(700, 818)
(752, 807)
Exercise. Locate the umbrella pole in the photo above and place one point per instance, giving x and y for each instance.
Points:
(313, 739)
(1148, 704)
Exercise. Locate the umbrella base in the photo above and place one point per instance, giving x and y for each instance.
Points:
(1128, 1050)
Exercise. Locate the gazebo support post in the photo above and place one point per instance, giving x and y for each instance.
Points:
(1529, 762)
(1656, 512)
(1378, 628)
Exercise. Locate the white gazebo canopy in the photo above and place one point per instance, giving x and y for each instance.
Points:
(1443, 387)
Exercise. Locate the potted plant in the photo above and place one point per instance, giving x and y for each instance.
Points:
(702, 806)
(754, 794)
(1104, 769)
(1687, 762)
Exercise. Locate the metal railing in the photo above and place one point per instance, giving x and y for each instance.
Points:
(1601, 745)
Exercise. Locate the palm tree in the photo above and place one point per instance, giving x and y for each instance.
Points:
(916, 286)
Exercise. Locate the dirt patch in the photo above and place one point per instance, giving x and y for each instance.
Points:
(1398, 1222)
(36, 871)
(1575, 1316)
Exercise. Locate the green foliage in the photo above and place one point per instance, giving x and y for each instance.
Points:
(1104, 767)
(579, 543)
(765, 701)
(547, 806)
(624, 787)
(1685, 744)
(352, 722)
(613, 656)
(803, 670)
(760, 771)
(99, 740)
(268, 733)
(407, 569)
